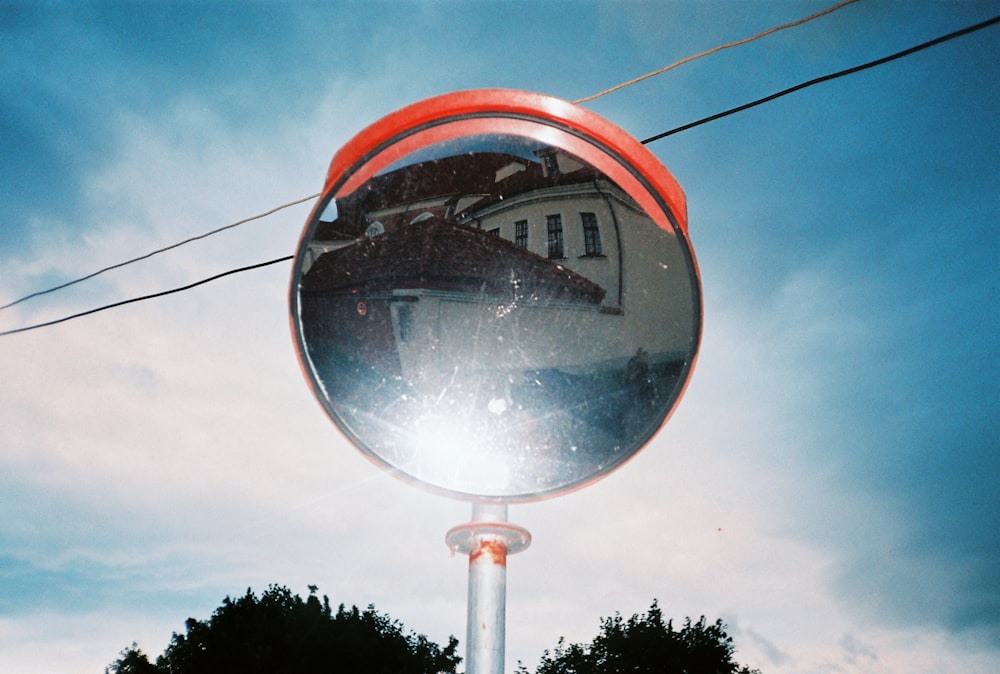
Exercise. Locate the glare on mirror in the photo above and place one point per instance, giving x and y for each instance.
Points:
(495, 318)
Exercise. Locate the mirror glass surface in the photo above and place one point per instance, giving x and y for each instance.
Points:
(495, 318)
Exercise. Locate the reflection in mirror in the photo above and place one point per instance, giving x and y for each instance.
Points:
(495, 318)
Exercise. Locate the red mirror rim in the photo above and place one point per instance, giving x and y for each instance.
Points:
(485, 111)
(505, 111)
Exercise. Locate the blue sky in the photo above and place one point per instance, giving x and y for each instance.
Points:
(828, 485)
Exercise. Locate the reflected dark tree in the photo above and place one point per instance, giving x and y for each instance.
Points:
(647, 644)
(280, 633)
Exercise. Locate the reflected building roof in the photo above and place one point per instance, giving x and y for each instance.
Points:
(451, 188)
(439, 254)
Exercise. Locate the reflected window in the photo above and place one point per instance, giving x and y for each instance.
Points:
(591, 235)
(404, 321)
(550, 164)
(554, 225)
(521, 233)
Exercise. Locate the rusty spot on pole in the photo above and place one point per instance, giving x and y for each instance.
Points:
(495, 550)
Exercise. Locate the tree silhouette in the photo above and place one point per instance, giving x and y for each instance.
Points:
(646, 645)
(132, 661)
(280, 633)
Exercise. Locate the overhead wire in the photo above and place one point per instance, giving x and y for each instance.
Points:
(728, 45)
(824, 78)
(685, 127)
(147, 297)
(790, 24)
(160, 250)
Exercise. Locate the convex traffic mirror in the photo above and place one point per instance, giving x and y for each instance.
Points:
(495, 295)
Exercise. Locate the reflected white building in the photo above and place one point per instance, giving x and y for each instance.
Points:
(529, 302)
(391, 247)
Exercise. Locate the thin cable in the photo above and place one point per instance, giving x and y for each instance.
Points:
(842, 73)
(728, 45)
(147, 297)
(158, 251)
(299, 201)
(825, 78)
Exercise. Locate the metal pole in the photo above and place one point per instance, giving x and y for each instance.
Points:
(487, 540)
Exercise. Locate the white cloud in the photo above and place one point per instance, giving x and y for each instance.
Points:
(54, 641)
(176, 444)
